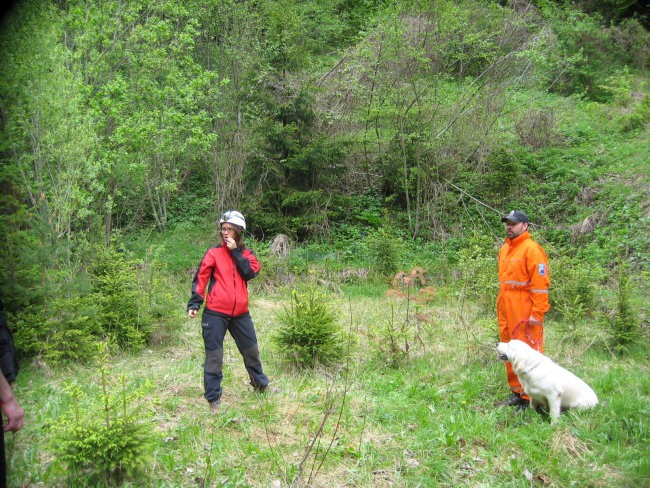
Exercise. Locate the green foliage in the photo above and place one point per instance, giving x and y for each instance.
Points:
(423, 417)
(622, 230)
(356, 216)
(113, 451)
(114, 308)
(392, 344)
(115, 287)
(477, 265)
(638, 118)
(103, 436)
(153, 114)
(65, 329)
(587, 51)
(384, 251)
(309, 332)
(48, 145)
(176, 250)
(612, 10)
(573, 289)
(623, 325)
(634, 36)
(354, 126)
(150, 99)
(503, 176)
(470, 45)
(21, 264)
(618, 86)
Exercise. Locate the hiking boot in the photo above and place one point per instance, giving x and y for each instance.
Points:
(513, 401)
(266, 388)
(215, 405)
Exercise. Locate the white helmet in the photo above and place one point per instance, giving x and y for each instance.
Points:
(233, 217)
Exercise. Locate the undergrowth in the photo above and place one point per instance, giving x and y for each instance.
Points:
(428, 421)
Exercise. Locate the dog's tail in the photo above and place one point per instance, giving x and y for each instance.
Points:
(587, 399)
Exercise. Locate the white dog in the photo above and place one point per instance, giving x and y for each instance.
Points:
(545, 382)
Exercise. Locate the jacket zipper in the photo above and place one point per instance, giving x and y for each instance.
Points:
(234, 287)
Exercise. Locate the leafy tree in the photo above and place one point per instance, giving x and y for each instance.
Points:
(429, 90)
(50, 170)
(149, 95)
(586, 51)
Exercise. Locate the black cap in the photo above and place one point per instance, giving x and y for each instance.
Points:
(515, 216)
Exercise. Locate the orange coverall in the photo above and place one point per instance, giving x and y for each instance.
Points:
(523, 291)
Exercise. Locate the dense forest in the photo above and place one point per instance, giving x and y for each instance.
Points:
(332, 122)
(327, 121)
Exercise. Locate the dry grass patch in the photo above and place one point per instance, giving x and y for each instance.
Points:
(564, 442)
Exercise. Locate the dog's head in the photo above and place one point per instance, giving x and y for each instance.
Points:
(502, 351)
(507, 351)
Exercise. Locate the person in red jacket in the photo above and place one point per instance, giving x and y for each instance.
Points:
(221, 281)
(523, 295)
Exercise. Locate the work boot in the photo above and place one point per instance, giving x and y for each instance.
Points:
(513, 401)
(215, 405)
(522, 407)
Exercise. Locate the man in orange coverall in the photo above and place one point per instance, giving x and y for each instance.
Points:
(523, 295)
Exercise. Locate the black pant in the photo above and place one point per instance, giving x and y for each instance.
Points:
(242, 330)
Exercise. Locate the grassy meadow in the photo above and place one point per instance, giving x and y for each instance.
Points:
(425, 418)
(375, 136)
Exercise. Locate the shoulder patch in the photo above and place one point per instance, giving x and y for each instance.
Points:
(541, 268)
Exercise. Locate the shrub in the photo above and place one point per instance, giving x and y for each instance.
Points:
(67, 327)
(63, 329)
(573, 289)
(587, 51)
(631, 35)
(99, 437)
(623, 324)
(309, 333)
(478, 272)
(638, 118)
(384, 252)
(535, 130)
(116, 290)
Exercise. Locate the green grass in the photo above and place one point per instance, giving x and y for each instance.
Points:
(430, 422)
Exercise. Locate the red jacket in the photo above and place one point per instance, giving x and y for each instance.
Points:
(224, 274)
